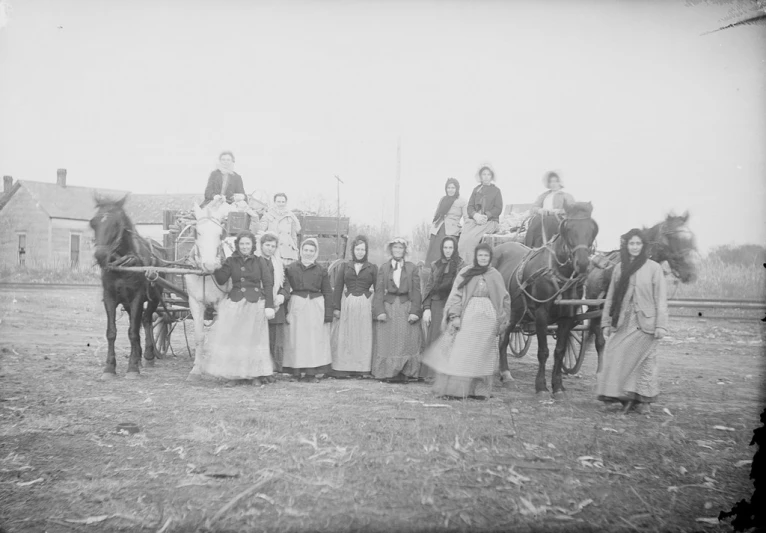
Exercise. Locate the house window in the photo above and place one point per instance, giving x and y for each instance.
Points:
(22, 248)
(74, 249)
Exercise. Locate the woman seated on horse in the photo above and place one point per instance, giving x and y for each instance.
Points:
(237, 346)
(548, 209)
(484, 209)
(224, 182)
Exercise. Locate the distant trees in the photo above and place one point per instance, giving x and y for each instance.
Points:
(747, 255)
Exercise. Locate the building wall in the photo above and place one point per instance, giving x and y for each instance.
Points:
(22, 215)
(150, 231)
(61, 232)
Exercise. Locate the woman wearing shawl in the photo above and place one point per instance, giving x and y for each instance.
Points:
(396, 305)
(443, 274)
(549, 205)
(356, 278)
(237, 346)
(477, 310)
(484, 209)
(224, 182)
(307, 334)
(283, 222)
(270, 256)
(446, 221)
(636, 309)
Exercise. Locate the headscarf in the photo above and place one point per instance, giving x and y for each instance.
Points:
(477, 270)
(445, 270)
(628, 266)
(310, 240)
(403, 242)
(547, 177)
(242, 235)
(446, 202)
(360, 239)
(276, 261)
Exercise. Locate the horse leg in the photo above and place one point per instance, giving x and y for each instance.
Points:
(197, 309)
(541, 325)
(598, 335)
(150, 353)
(505, 372)
(110, 305)
(136, 308)
(562, 340)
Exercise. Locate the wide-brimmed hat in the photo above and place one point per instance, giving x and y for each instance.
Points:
(547, 177)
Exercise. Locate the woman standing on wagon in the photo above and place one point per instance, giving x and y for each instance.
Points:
(477, 310)
(269, 242)
(396, 305)
(353, 356)
(224, 182)
(446, 222)
(307, 334)
(283, 222)
(484, 209)
(440, 282)
(237, 346)
(636, 311)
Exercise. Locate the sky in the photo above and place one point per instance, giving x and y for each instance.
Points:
(639, 111)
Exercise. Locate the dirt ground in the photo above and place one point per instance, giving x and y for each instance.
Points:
(358, 455)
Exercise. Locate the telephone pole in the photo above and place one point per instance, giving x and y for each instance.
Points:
(396, 185)
(337, 232)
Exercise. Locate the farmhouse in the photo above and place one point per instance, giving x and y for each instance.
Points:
(47, 223)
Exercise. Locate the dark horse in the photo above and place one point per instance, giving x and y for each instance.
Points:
(536, 277)
(670, 240)
(118, 244)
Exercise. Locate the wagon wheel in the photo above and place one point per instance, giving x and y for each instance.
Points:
(574, 355)
(518, 343)
(162, 327)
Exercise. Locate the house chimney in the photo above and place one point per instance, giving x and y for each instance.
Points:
(7, 183)
(61, 177)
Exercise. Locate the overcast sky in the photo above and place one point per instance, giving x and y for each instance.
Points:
(639, 111)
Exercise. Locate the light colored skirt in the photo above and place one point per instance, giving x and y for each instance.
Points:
(470, 237)
(237, 345)
(630, 370)
(465, 360)
(397, 343)
(354, 350)
(307, 337)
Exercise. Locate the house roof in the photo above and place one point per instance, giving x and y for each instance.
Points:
(76, 203)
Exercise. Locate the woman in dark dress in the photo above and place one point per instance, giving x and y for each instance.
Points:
(353, 356)
(484, 209)
(224, 182)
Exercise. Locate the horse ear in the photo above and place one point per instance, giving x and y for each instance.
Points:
(685, 216)
(121, 202)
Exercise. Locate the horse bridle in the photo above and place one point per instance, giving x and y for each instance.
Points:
(112, 249)
(569, 250)
(662, 241)
(220, 254)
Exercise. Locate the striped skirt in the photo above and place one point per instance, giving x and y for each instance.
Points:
(397, 343)
(465, 359)
(630, 370)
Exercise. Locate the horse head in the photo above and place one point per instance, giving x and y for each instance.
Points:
(672, 241)
(111, 227)
(577, 232)
(210, 232)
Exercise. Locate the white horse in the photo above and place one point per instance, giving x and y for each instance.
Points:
(207, 254)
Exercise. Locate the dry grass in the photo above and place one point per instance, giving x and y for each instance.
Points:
(49, 272)
(725, 280)
(359, 455)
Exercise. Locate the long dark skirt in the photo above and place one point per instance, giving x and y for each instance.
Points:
(277, 345)
(434, 246)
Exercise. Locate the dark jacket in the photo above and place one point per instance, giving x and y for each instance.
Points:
(250, 278)
(387, 291)
(355, 284)
(215, 182)
(488, 201)
(441, 291)
(284, 290)
(311, 282)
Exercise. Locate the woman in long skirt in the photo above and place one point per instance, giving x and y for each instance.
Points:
(443, 274)
(270, 255)
(307, 334)
(237, 346)
(396, 305)
(484, 209)
(636, 317)
(477, 309)
(353, 356)
(446, 221)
